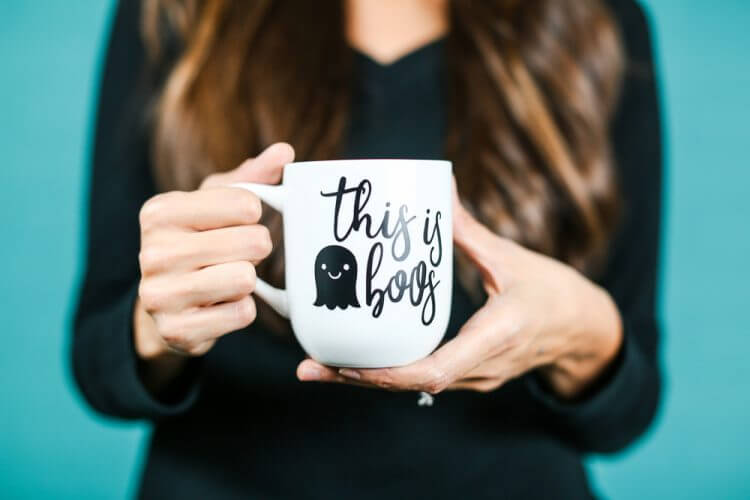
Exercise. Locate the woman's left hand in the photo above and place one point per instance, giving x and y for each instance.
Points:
(540, 313)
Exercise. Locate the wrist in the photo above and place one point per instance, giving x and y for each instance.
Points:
(158, 365)
(147, 343)
(149, 346)
(593, 345)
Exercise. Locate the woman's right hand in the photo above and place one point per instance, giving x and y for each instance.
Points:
(198, 255)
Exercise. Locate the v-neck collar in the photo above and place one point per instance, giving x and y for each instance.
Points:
(420, 61)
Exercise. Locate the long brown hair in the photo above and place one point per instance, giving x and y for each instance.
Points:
(533, 84)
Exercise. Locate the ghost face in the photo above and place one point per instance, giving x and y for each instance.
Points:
(336, 278)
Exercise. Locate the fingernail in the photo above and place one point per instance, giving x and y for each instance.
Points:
(310, 373)
(349, 373)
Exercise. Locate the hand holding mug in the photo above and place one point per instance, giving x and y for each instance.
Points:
(198, 255)
(540, 313)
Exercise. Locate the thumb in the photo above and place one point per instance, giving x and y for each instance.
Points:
(486, 250)
(468, 233)
(266, 168)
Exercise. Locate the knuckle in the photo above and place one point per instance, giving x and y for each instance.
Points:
(249, 205)
(259, 241)
(173, 332)
(385, 379)
(264, 241)
(434, 386)
(187, 288)
(257, 208)
(198, 349)
(246, 278)
(151, 210)
(245, 311)
(151, 297)
(210, 180)
(384, 384)
(437, 381)
(150, 259)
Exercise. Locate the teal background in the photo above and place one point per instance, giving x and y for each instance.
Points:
(53, 446)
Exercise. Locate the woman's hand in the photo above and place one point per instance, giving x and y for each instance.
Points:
(198, 255)
(540, 313)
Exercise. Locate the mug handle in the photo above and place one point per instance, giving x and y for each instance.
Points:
(274, 196)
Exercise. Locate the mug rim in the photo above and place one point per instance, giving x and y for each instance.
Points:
(365, 161)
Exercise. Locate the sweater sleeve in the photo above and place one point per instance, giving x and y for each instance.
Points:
(105, 364)
(622, 404)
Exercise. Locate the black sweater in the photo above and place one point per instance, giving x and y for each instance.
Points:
(246, 428)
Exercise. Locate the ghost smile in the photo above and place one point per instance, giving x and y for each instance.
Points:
(334, 277)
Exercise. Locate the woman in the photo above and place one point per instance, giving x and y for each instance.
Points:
(551, 351)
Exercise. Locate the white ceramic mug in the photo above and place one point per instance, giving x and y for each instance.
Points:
(368, 257)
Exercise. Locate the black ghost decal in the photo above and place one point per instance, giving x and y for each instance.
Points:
(336, 278)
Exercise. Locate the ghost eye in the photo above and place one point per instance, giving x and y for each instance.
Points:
(346, 267)
(323, 267)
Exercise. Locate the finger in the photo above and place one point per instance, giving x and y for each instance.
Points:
(188, 252)
(486, 334)
(229, 244)
(466, 227)
(266, 168)
(511, 353)
(220, 283)
(311, 371)
(201, 210)
(432, 374)
(483, 247)
(188, 331)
